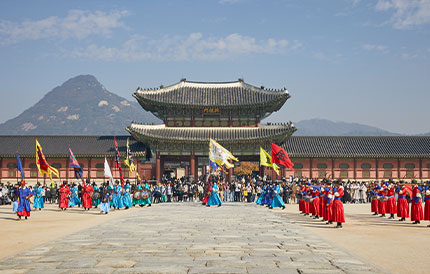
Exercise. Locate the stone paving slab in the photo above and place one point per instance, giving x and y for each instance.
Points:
(189, 238)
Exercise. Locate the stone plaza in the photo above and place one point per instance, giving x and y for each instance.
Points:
(190, 238)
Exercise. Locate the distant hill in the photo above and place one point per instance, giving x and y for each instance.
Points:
(323, 127)
(80, 106)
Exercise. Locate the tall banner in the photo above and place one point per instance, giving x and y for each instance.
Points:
(129, 161)
(42, 164)
(220, 155)
(280, 156)
(108, 172)
(19, 166)
(266, 160)
(75, 165)
(117, 162)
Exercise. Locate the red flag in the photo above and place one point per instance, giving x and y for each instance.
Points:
(280, 156)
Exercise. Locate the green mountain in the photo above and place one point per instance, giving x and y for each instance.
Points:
(80, 106)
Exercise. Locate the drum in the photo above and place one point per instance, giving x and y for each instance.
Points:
(96, 196)
(145, 195)
(110, 197)
(137, 195)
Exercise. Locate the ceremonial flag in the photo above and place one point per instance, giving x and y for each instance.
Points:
(266, 160)
(42, 164)
(279, 156)
(220, 155)
(19, 166)
(117, 162)
(75, 165)
(129, 161)
(108, 173)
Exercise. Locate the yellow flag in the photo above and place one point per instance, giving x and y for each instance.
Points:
(42, 164)
(129, 162)
(266, 160)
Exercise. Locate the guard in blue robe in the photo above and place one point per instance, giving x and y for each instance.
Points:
(117, 196)
(74, 198)
(38, 198)
(147, 201)
(214, 199)
(277, 200)
(270, 195)
(24, 195)
(105, 204)
(261, 197)
(126, 199)
(96, 202)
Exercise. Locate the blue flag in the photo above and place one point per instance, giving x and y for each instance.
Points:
(19, 166)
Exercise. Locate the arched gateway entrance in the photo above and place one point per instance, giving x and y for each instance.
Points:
(194, 112)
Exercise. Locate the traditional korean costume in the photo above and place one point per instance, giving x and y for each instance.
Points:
(277, 200)
(38, 198)
(214, 199)
(126, 199)
(23, 202)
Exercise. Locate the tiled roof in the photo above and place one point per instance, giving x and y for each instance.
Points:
(202, 134)
(58, 146)
(296, 146)
(225, 94)
(366, 146)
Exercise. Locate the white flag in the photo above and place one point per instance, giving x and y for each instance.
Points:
(108, 173)
(220, 155)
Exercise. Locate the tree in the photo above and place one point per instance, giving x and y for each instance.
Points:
(245, 168)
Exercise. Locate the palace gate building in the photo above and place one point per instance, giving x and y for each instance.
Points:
(194, 112)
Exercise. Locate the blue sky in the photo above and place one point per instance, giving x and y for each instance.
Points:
(344, 60)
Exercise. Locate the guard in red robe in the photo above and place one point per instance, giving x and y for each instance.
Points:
(391, 202)
(375, 202)
(306, 202)
(328, 207)
(325, 192)
(87, 192)
(321, 205)
(402, 203)
(207, 194)
(427, 205)
(338, 213)
(64, 192)
(382, 194)
(417, 213)
(301, 200)
(315, 203)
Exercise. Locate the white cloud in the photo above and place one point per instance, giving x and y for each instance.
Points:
(77, 24)
(192, 47)
(407, 13)
(371, 47)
